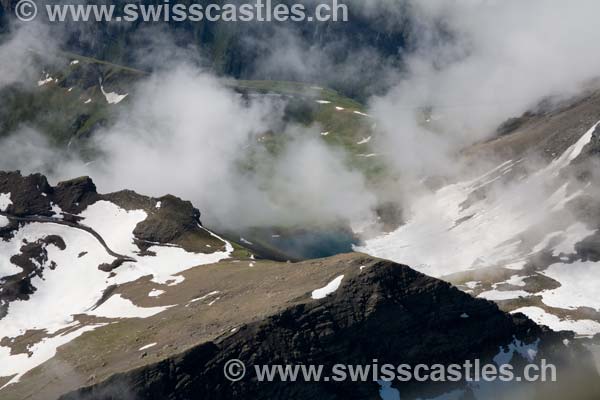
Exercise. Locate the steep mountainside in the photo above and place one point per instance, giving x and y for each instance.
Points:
(525, 233)
(132, 298)
(66, 249)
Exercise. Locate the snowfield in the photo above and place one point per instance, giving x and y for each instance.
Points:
(330, 288)
(5, 201)
(77, 285)
(113, 98)
(453, 230)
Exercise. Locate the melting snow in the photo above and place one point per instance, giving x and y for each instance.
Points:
(339, 108)
(583, 327)
(579, 285)
(246, 241)
(118, 307)
(516, 280)
(74, 62)
(46, 80)
(323, 102)
(156, 292)
(488, 235)
(499, 295)
(3, 221)
(328, 289)
(58, 212)
(364, 140)
(88, 101)
(146, 347)
(5, 201)
(41, 352)
(61, 294)
(113, 98)
(205, 296)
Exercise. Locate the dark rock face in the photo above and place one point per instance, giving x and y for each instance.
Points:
(175, 222)
(170, 221)
(29, 194)
(75, 195)
(389, 312)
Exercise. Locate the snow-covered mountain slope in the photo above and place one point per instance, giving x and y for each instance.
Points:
(523, 234)
(260, 311)
(59, 269)
(130, 293)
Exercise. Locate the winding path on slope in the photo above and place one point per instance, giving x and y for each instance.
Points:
(48, 220)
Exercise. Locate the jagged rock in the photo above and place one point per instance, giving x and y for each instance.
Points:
(387, 312)
(29, 194)
(75, 195)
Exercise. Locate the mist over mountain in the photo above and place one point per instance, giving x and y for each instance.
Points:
(174, 195)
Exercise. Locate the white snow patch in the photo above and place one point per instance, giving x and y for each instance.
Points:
(214, 293)
(88, 101)
(328, 289)
(360, 113)
(574, 151)
(5, 201)
(339, 108)
(19, 364)
(498, 295)
(3, 221)
(60, 294)
(118, 307)
(489, 232)
(579, 285)
(113, 98)
(47, 79)
(472, 284)
(324, 133)
(156, 292)
(364, 140)
(583, 327)
(514, 280)
(246, 241)
(323, 102)
(158, 204)
(114, 224)
(58, 212)
(148, 346)
(74, 62)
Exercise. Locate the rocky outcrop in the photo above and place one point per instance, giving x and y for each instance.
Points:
(170, 220)
(31, 259)
(387, 312)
